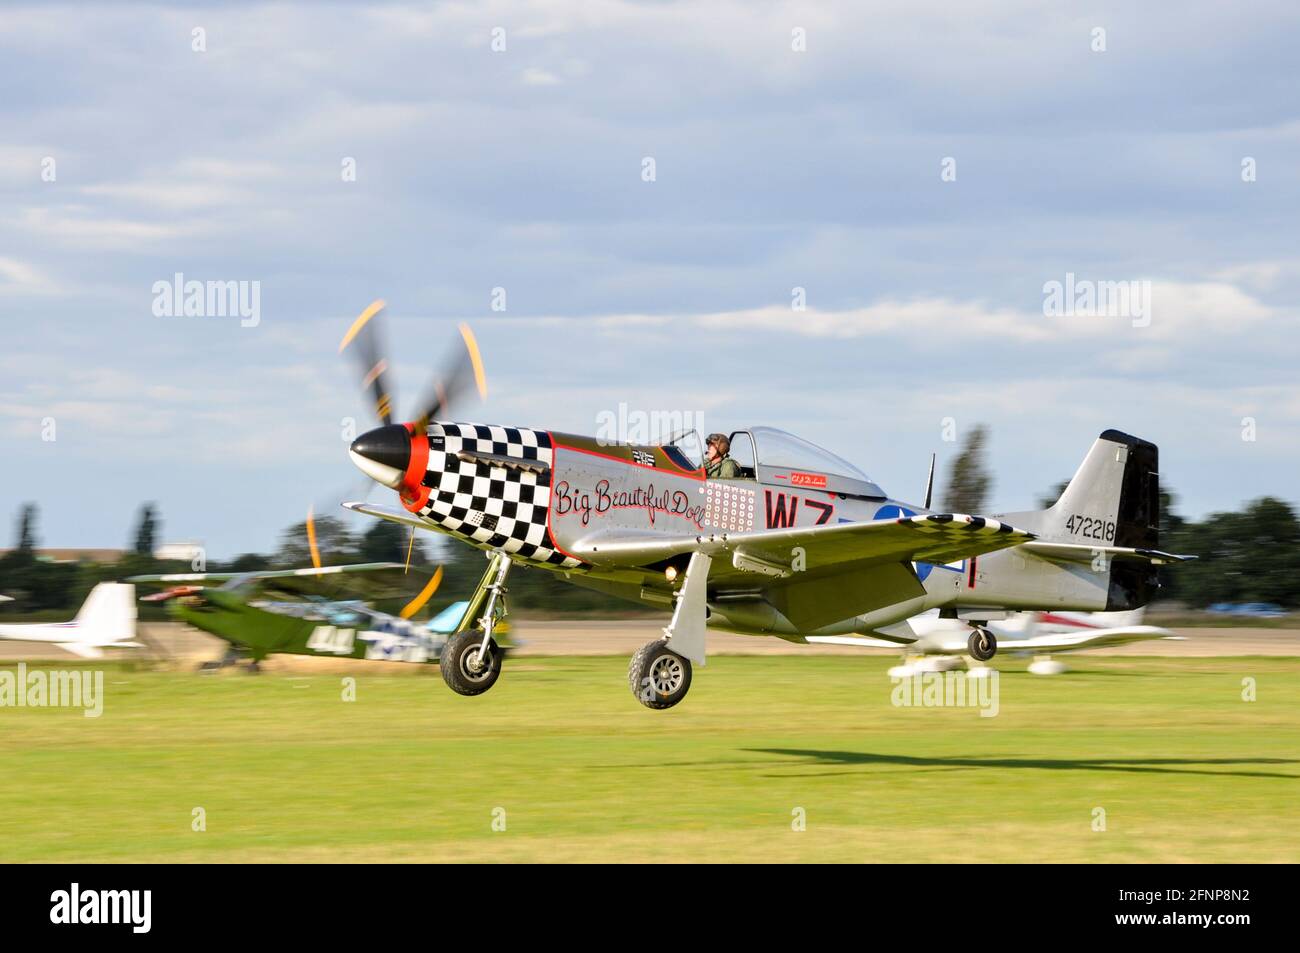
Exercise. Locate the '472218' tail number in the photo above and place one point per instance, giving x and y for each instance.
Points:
(1090, 527)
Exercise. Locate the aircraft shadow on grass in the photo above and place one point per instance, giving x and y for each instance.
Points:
(1135, 765)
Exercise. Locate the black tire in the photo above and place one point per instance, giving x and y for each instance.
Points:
(982, 645)
(658, 676)
(457, 664)
(228, 658)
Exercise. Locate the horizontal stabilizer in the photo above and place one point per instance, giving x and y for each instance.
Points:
(82, 649)
(1082, 553)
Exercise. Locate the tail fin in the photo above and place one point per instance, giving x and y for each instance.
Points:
(1113, 500)
(108, 614)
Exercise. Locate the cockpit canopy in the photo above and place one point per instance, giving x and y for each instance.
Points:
(779, 458)
(784, 459)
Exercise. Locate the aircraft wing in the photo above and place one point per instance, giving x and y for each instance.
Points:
(391, 513)
(177, 577)
(1058, 642)
(1067, 641)
(861, 641)
(933, 538)
(358, 580)
(1091, 639)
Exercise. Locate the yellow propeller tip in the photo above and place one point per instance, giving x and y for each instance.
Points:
(371, 310)
(475, 358)
(416, 604)
(311, 538)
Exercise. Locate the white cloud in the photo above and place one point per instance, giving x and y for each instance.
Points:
(1182, 312)
(174, 196)
(21, 278)
(83, 227)
(535, 76)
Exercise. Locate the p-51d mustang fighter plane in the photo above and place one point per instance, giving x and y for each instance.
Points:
(315, 611)
(800, 544)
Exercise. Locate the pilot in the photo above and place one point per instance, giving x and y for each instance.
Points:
(717, 465)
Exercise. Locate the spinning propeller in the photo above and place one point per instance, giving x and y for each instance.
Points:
(397, 454)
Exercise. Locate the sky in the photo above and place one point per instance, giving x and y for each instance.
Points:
(839, 219)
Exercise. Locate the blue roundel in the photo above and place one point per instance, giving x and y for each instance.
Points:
(892, 511)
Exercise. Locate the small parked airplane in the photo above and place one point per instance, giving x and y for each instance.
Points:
(106, 620)
(322, 611)
(930, 643)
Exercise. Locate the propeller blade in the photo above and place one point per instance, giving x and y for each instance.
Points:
(365, 337)
(462, 373)
(311, 537)
(425, 594)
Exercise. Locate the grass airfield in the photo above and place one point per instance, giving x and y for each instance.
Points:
(285, 770)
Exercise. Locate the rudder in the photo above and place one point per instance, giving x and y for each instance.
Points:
(1113, 499)
(108, 614)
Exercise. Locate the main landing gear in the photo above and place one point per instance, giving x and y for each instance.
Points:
(982, 645)
(660, 672)
(471, 660)
(658, 676)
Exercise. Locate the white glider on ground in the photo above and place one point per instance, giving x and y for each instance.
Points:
(931, 643)
(106, 620)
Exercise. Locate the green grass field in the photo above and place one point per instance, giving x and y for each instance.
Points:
(1184, 769)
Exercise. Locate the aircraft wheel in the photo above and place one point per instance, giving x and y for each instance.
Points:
(461, 668)
(658, 676)
(982, 645)
(228, 658)
(254, 667)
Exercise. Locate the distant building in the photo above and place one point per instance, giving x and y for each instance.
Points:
(179, 552)
(75, 555)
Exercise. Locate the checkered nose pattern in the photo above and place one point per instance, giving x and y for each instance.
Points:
(497, 506)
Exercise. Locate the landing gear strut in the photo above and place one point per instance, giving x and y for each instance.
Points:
(660, 672)
(470, 663)
(981, 644)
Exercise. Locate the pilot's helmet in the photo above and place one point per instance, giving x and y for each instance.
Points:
(721, 441)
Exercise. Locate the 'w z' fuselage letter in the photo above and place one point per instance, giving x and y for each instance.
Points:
(824, 511)
(778, 515)
(783, 511)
